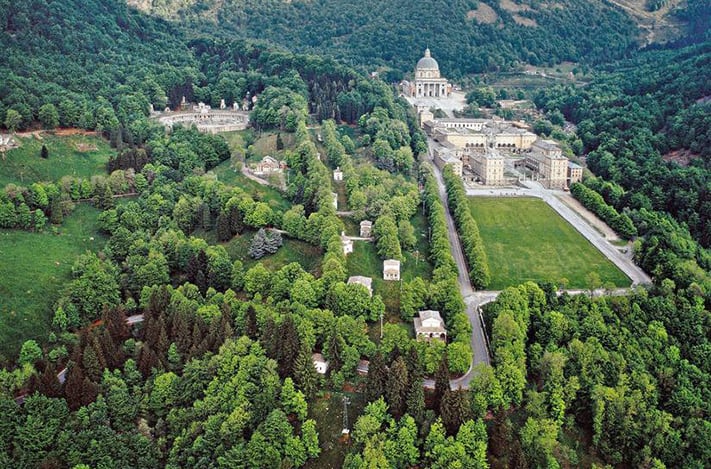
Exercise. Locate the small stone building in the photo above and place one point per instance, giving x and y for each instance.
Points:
(429, 325)
(320, 363)
(337, 174)
(391, 269)
(366, 226)
(347, 243)
(268, 165)
(367, 282)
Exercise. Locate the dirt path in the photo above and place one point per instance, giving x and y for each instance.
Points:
(589, 217)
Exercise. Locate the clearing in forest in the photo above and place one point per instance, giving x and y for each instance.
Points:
(34, 267)
(69, 155)
(525, 239)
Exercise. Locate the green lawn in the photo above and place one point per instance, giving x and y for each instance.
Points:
(75, 155)
(364, 261)
(309, 257)
(228, 173)
(33, 269)
(525, 239)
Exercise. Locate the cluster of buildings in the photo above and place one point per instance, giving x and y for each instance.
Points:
(481, 150)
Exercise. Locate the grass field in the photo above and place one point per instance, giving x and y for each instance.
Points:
(309, 257)
(525, 239)
(228, 173)
(33, 269)
(74, 155)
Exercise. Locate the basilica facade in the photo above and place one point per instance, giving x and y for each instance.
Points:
(428, 82)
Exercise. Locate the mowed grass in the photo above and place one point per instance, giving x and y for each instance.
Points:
(73, 155)
(525, 239)
(34, 267)
(228, 173)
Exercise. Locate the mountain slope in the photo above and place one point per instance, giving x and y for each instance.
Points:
(466, 36)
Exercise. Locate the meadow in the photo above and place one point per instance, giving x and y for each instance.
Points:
(525, 239)
(34, 267)
(70, 155)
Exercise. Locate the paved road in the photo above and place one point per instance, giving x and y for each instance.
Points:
(471, 300)
(534, 189)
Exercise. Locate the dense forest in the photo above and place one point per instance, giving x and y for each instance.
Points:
(393, 35)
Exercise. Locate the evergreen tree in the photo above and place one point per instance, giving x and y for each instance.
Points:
(180, 332)
(441, 381)
(115, 322)
(258, 249)
(377, 376)
(56, 217)
(74, 386)
(305, 374)
(224, 232)
(273, 242)
(44, 153)
(236, 224)
(416, 400)
(334, 349)
(90, 391)
(49, 385)
(104, 197)
(147, 361)
(455, 409)
(269, 339)
(250, 322)
(91, 363)
(398, 384)
(289, 347)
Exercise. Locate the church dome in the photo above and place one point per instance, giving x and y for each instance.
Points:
(427, 62)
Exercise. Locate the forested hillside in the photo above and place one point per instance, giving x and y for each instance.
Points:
(466, 36)
(86, 57)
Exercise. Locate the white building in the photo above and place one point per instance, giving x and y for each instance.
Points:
(391, 269)
(320, 363)
(268, 165)
(347, 243)
(367, 282)
(429, 325)
(337, 174)
(428, 81)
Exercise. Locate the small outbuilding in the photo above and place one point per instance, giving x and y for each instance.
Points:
(366, 227)
(367, 282)
(337, 174)
(320, 363)
(347, 243)
(391, 269)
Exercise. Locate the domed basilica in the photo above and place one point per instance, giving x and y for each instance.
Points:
(428, 82)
